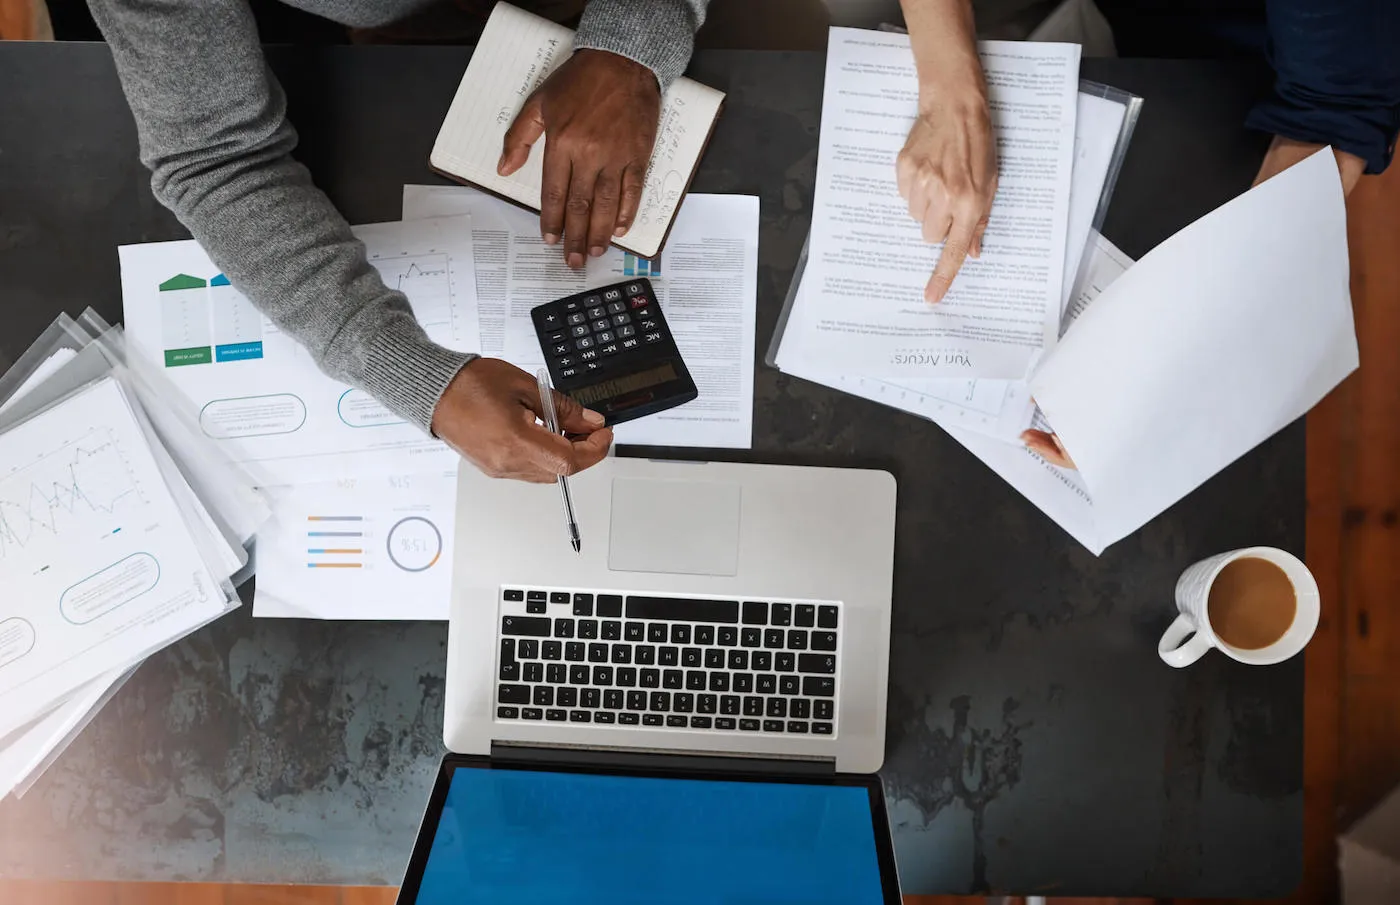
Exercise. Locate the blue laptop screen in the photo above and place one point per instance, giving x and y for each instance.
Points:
(523, 836)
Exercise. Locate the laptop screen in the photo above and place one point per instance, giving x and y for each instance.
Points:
(513, 836)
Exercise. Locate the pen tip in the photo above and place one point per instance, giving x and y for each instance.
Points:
(578, 546)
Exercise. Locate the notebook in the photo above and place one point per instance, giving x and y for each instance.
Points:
(517, 52)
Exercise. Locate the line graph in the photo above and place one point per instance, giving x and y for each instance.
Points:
(63, 489)
(427, 281)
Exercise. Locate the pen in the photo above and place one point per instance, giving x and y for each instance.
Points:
(551, 422)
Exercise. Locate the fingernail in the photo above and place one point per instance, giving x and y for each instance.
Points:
(593, 417)
(933, 296)
(1027, 436)
(551, 238)
(596, 251)
(501, 164)
(620, 231)
(575, 260)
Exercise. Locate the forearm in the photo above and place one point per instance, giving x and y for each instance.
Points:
(659, 34)
(943, 36)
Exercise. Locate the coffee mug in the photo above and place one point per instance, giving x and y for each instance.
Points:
(1193, 599)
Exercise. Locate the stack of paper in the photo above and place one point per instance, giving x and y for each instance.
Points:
(363, 504)
(121, 530)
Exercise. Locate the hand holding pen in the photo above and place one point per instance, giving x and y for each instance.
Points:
(551, 423)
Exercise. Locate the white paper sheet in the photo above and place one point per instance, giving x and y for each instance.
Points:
(1219, 337)
(359, 548)
(257, 390)
(96, 562)
(706, 279)
(865, 312)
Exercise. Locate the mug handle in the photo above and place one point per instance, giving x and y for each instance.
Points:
(1173, 652)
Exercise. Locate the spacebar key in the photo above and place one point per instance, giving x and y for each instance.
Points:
(683, 609)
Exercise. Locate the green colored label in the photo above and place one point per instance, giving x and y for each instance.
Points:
(199, 355)
(182, 281)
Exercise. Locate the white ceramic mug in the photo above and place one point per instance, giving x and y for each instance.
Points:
(1193, 591)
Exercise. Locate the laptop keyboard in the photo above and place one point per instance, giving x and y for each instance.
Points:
(707, 665)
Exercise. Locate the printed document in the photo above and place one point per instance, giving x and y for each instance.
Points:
(258, 392)
(865, 311)
(706, 280)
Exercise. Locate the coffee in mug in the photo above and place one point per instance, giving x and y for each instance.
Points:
(1259, 605)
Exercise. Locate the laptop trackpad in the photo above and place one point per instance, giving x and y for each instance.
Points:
(678, 527)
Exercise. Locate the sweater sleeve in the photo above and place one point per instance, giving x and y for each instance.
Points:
(1337, 76)
(659, 34)
(213, 130)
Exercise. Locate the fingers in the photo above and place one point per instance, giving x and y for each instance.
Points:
(986, 215)
(554, 193)
(574, 418)
(554, 455)
(520, 137)
(632, 181)
(1048, 447)
(606, 196)
(955, 250)
(577, 213)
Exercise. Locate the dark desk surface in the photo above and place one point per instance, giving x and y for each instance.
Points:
(1036, 743)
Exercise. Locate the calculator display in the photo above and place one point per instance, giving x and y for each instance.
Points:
(628, 383)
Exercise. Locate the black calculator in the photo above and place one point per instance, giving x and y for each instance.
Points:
(611, 351)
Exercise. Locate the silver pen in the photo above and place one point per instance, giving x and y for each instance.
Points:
(551, 422)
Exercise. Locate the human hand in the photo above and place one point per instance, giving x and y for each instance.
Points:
(1048, 447)
(600, 111)
(947, 172)
(488, 415)
(1284, 152)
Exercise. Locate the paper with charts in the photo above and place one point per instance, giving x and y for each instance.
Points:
(359, 548)
(258, 391)
(96, 561)
(865, 312)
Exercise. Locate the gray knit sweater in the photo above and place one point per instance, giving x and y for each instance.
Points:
(213, 130)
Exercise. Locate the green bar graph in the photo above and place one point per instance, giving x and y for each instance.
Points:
(182, 281)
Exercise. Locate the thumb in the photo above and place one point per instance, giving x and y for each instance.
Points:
(522, 134)
(574, 418)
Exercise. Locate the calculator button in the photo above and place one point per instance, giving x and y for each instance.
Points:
(616, 307)
(576, 318)
(631, 342)
(654, 337)
(601, 324)
(596, 311)
(580, 330)
(620, 319)
(643, 313)
(588, 355)
(609, 349)
(640, 301)
(565, 361)
(612, 295)
(549, 319)
(626, 330)
(574, 305)
(634, 288)
(591, 366)
(569, 372)
(584, 342)
(560, 348)
(604, 337)
(558, 336)
(649, 324)
(591, 300)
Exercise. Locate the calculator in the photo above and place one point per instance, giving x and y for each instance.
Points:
(611, 351)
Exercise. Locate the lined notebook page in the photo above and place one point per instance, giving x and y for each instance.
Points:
(517, 52)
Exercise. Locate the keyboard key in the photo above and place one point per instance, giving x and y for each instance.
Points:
(604, 716)
(536, 607)
(651, 678)
(784, 661)
(762, 661)
(612, 630)
(574, 651)
(719, 681)
(682, 609)
(714, 658)
(590, 697)
(536, 595)
(636, 700)
(610, 606)
(738, 659)
(628, 719)
(613, 698)
(800, 709)
(527, 649)
(821, 728)
(588, 628)
(728, 636)
(823, 710)
(656, 632)
(626, 677)
(598, 652)
(653, 719)
(826, 616)
(704, 634)
(563, 628)
(532, 713)
(788, 685)
(767, 683)
(729, 704)
(566, 697)
(700, 722)
(673, 678)
(743, 682)
(634, 631)
(750, 637)
(558, 597)
(602, 675)
(583, 604)
(695, 679)
(675, 721)
(507, 713)
(645, 654)
(556, 716)
(819, 686)
(773, 638)
(551, 650)
(680, 634)
(510, 668)
(556, 673)
(621, 653)
(748, 725)
(706, 703)
(683, 702)
(513, 694)
(670, 656)
(782, 614)
(544, 696)
(753, 706)
(777, 707)
(534, 672)
(755, 613)
(659, 701)
(690, 656)
(823, 663)
(514, 594)
(823, 641)
(580, 716)
(797, 726)
(805, 615)
(533, 626)
(772, 725)
(724, 722)
(578, 674)
(797, 639)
